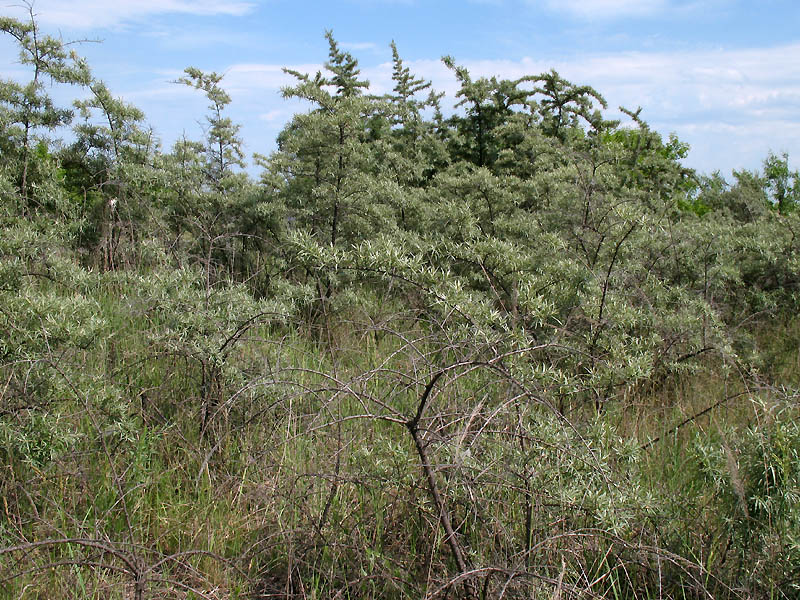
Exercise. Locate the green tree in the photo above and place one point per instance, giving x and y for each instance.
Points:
(325, 158)
(782, 184)
(26, 109)
(489, 104)
(111, 163)
(223, 145)
(409, 149)
(564, 105)
(212, 200)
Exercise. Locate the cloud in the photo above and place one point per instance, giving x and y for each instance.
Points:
(593, 9)
(254, 78)
(91, 14)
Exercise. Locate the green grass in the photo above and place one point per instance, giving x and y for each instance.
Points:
(289, 492)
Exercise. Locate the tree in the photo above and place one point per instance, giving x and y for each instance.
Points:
(212, 197)
(325, 158)
(409, 147)
(783, 185)
(489, 104)
(111, 161)
(407, 106)
(564, 105)
(223, 145)
(28, 109)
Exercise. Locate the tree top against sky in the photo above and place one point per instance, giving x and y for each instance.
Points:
(724, 75)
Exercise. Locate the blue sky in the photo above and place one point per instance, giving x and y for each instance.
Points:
(724, 75)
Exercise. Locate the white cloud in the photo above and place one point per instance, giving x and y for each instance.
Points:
(253, 78)
(594, 9)
(620, 9)
(89, 14)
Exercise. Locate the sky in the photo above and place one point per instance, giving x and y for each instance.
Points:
(724, 75)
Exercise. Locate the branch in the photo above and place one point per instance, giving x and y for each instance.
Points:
(414, 423)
